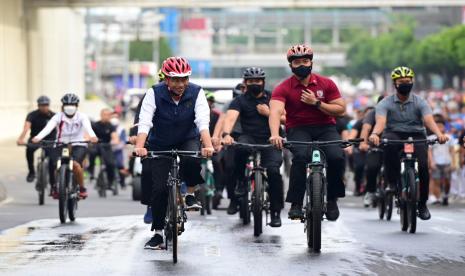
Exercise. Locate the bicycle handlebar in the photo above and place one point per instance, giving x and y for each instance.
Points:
(345, 143)
(171, 154)
(255, 146)
(408, 141)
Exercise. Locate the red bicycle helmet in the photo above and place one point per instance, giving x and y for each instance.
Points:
(176, 67)
(299, 51)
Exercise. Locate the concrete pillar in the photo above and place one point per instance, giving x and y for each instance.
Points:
(13, 68)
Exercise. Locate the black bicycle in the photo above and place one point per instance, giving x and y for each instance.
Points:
(256, 199)
(409, 192)
(316, 187)
(384, 196)
(103, 183)
(42, 169)
(176, 212)
(68, 189)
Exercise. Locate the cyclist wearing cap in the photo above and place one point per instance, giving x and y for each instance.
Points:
(36, 121)
(253, 110)
(311, 102)
(399, 117)
(71, 126)
(179, 114)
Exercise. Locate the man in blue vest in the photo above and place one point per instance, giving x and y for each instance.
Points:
(179, 114)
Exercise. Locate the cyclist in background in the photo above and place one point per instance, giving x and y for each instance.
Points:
(35, 122)
(71, 126)
(401, 116)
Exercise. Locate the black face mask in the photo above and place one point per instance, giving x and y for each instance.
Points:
(302, 71)
(404, 88)
(254, 89)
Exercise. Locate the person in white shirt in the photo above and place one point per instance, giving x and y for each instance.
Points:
(71, 126)
(440, 160)
(179, 114)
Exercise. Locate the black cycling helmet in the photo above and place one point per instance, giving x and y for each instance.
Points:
(43, 100)
(70, 99)
(253, 73)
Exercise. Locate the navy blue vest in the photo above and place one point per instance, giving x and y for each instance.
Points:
(173, 124)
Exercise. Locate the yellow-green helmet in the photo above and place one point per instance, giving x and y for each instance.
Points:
(402, 72)
(161, 76)
(210, 96)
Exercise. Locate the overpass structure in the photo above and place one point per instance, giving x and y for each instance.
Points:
(247, 3)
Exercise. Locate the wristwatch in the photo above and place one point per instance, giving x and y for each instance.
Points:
(317, 103)
(225, 134)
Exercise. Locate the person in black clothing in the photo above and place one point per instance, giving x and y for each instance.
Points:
(35, 122)
(253, 109)
(106, 133)
(358, 156)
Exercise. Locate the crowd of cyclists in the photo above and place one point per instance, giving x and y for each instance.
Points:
(178, 114)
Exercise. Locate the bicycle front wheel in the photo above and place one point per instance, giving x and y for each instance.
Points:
(173, 220)
(42, 179)
(63, 193)
(317, 209)
(412, 201)
(257, 204)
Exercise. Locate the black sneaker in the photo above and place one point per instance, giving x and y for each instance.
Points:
(30, 177)
(423, 212)
(216, 201)
(445, 201)
(275, 219)
(332, 211)
(296, 211)
(192, 204)
(232, 208)
(155, 243)
(240, 190)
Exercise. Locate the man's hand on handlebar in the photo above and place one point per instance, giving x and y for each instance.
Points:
(442, 138)
(141, 152)
(35, 140)
(374, 139)
(93, 140)
(208, 151)
(277, 141)
(228, 140)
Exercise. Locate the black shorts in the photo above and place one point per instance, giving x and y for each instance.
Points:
(78, 152)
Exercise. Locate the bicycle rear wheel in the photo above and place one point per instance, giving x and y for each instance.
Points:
(389, 201)
(381, 198)
(102, 184)
(412, 201)
(317, 209)
(257, 204)
(72, 203)
(63, 193)
(42, 179)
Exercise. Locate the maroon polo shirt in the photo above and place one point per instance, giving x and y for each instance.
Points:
(299, 113)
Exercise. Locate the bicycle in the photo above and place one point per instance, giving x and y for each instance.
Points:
(256, 198)
(176, 215)
(408, 196)
(68, 189)
(102, 183)
(316, 188)
(137, 179)
(384, 197)
(206, 190)
(42, 169)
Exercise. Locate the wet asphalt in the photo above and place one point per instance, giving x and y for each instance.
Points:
(109, 234)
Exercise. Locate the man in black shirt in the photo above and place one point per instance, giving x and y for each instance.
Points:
(106, 133)
(35, 122)
(253, 108)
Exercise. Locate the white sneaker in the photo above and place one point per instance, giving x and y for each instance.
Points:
(368, 199)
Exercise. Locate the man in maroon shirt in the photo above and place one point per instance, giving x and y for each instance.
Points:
(311, 102)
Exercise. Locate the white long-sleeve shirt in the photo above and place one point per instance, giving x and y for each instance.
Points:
(71, 130)
(147, 111)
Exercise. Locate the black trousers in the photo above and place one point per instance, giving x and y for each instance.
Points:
(106, 154)
(51, 164)
(334, 158)
(392, 155)
(189, 172)
(271, 160)
(359, 159)
(374, 161)
(228, 176)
